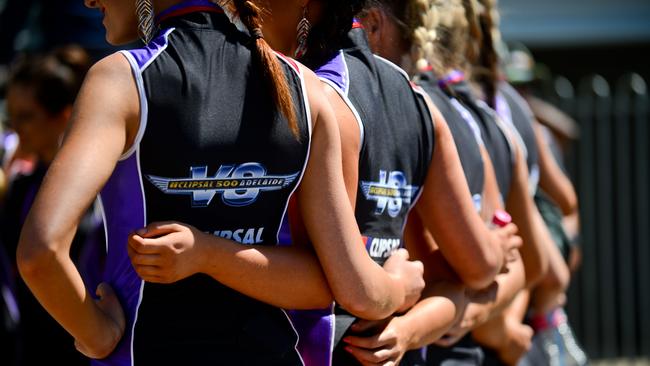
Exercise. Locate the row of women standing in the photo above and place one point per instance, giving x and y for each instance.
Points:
(236, 183)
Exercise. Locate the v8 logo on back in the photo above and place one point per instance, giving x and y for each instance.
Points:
(391, 191)
(238, 185)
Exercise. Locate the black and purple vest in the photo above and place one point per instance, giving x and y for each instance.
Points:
(516, 113)
(213, 152)
(494, 133)
(397, 140)
(465, 131)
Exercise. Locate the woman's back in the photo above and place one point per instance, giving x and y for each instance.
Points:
(397, 140)
(213, 152)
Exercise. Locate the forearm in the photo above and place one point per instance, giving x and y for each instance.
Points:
(56, 283)
(532, 228)
(286, 277)
(509, 285)
(552, 179)
(434, 315)
(454, 222)
(492, 333)
(359, 285)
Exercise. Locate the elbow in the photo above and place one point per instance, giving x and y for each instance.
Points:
(484, 273)
(569, 205)
(477, 282)
(33, 254)
(364, 307)
(536, 271)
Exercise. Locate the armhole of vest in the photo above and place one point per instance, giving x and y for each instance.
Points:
(430, 120)
(355, 112)
(509, 135)
(144, 111)
(473, 124)
(139, 82)
(508, 119)
(305, 101)
(293, 65)
(419, 92)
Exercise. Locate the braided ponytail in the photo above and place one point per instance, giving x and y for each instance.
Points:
(250, 15)
(488, 60)
(454, 36)
(418, 20)
(424, 25)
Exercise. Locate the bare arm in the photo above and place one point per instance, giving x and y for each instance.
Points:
(441, 305)
(286, 277)
(532, 228)
(350, 141)
(472, 250)
(97, 138)
(552, 179)
(487, 304)
(505, 333)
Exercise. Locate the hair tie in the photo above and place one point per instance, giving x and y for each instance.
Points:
(257, 33)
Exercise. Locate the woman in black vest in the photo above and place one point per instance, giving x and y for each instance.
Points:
(181, 130)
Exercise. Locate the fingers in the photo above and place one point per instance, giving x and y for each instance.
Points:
(419, 266)
(156, 229)
(515, 242)
(141, 245)
(82, 349)
(147, 259)
(362, 325)
(370, 357)
(104, 290)
(401, 254)
(446, 341)
(109, 303)
(362, 342)
(153, 274)
(510, 229)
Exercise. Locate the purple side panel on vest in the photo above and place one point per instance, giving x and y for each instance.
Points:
(315, 327)
(284, 236)
(503, 109)
(316, 330)
(336, 71)
(123, 202)
(145, 54)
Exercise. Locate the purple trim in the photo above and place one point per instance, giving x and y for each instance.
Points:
(7, 290)
(145, 54)
(503, 108)
(336, 71)
(123, 202)
(315, 328)
(454, 77)
(183, 5)
(316, 331)
(284, 236)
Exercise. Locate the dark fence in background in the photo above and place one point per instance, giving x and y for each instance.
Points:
(609, 300)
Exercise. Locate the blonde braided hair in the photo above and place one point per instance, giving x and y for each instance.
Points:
(454, 36)
(424, 31)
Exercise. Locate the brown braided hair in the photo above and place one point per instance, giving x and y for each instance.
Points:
(488, 60)
(250, 14)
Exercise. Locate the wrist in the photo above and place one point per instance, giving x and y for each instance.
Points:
(103, 337)
(405, 332)
(203, 251)
(398, 291)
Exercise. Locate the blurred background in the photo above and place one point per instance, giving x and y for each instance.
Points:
(593, 61)
(590, 60)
